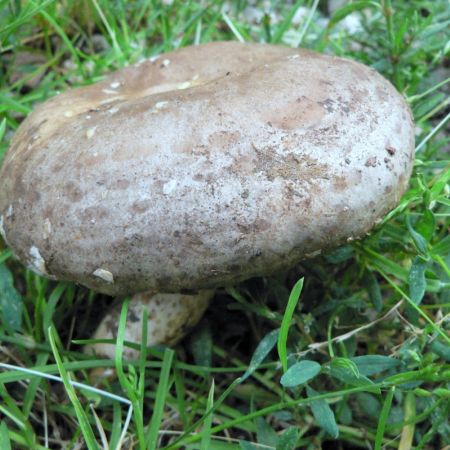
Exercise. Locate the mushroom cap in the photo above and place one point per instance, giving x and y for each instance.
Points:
(204, 167)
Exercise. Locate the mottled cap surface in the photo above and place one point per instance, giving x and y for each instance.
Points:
(204, 167)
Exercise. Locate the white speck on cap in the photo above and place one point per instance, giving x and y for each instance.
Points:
(111, 99)
(114, 84)
(90, 132)
(160, 105)
(169, 187)
(109, 91)
(68, 114)
(166, 62)
(105, 275)
(184, 85)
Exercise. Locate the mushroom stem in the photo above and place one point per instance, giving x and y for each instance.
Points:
(170, 317)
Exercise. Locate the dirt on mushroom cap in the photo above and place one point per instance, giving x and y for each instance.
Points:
(204, 167)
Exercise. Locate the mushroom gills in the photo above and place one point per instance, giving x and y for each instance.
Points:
(170, 318)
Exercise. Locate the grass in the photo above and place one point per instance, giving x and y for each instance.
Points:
(363, 345)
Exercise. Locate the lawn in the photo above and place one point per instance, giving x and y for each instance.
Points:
(349, 350)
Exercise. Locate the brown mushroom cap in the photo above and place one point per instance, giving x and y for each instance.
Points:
(204, 167)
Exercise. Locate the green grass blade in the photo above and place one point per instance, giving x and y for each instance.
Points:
(286, 322)
(407, 436)
(51, 305)
(83, 420)
(134, 393)
(5, 443)
(383, 418)
(160, 401)
(435, 327)
(348, 9)
(120, 345)
(287, 22)
(206, 438)
(25, 17)
(139, 404)
(305, 27)
(2, 129)
(238, 34)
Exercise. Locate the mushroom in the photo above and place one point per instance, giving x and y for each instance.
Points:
(201, 168)
(170, 317)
